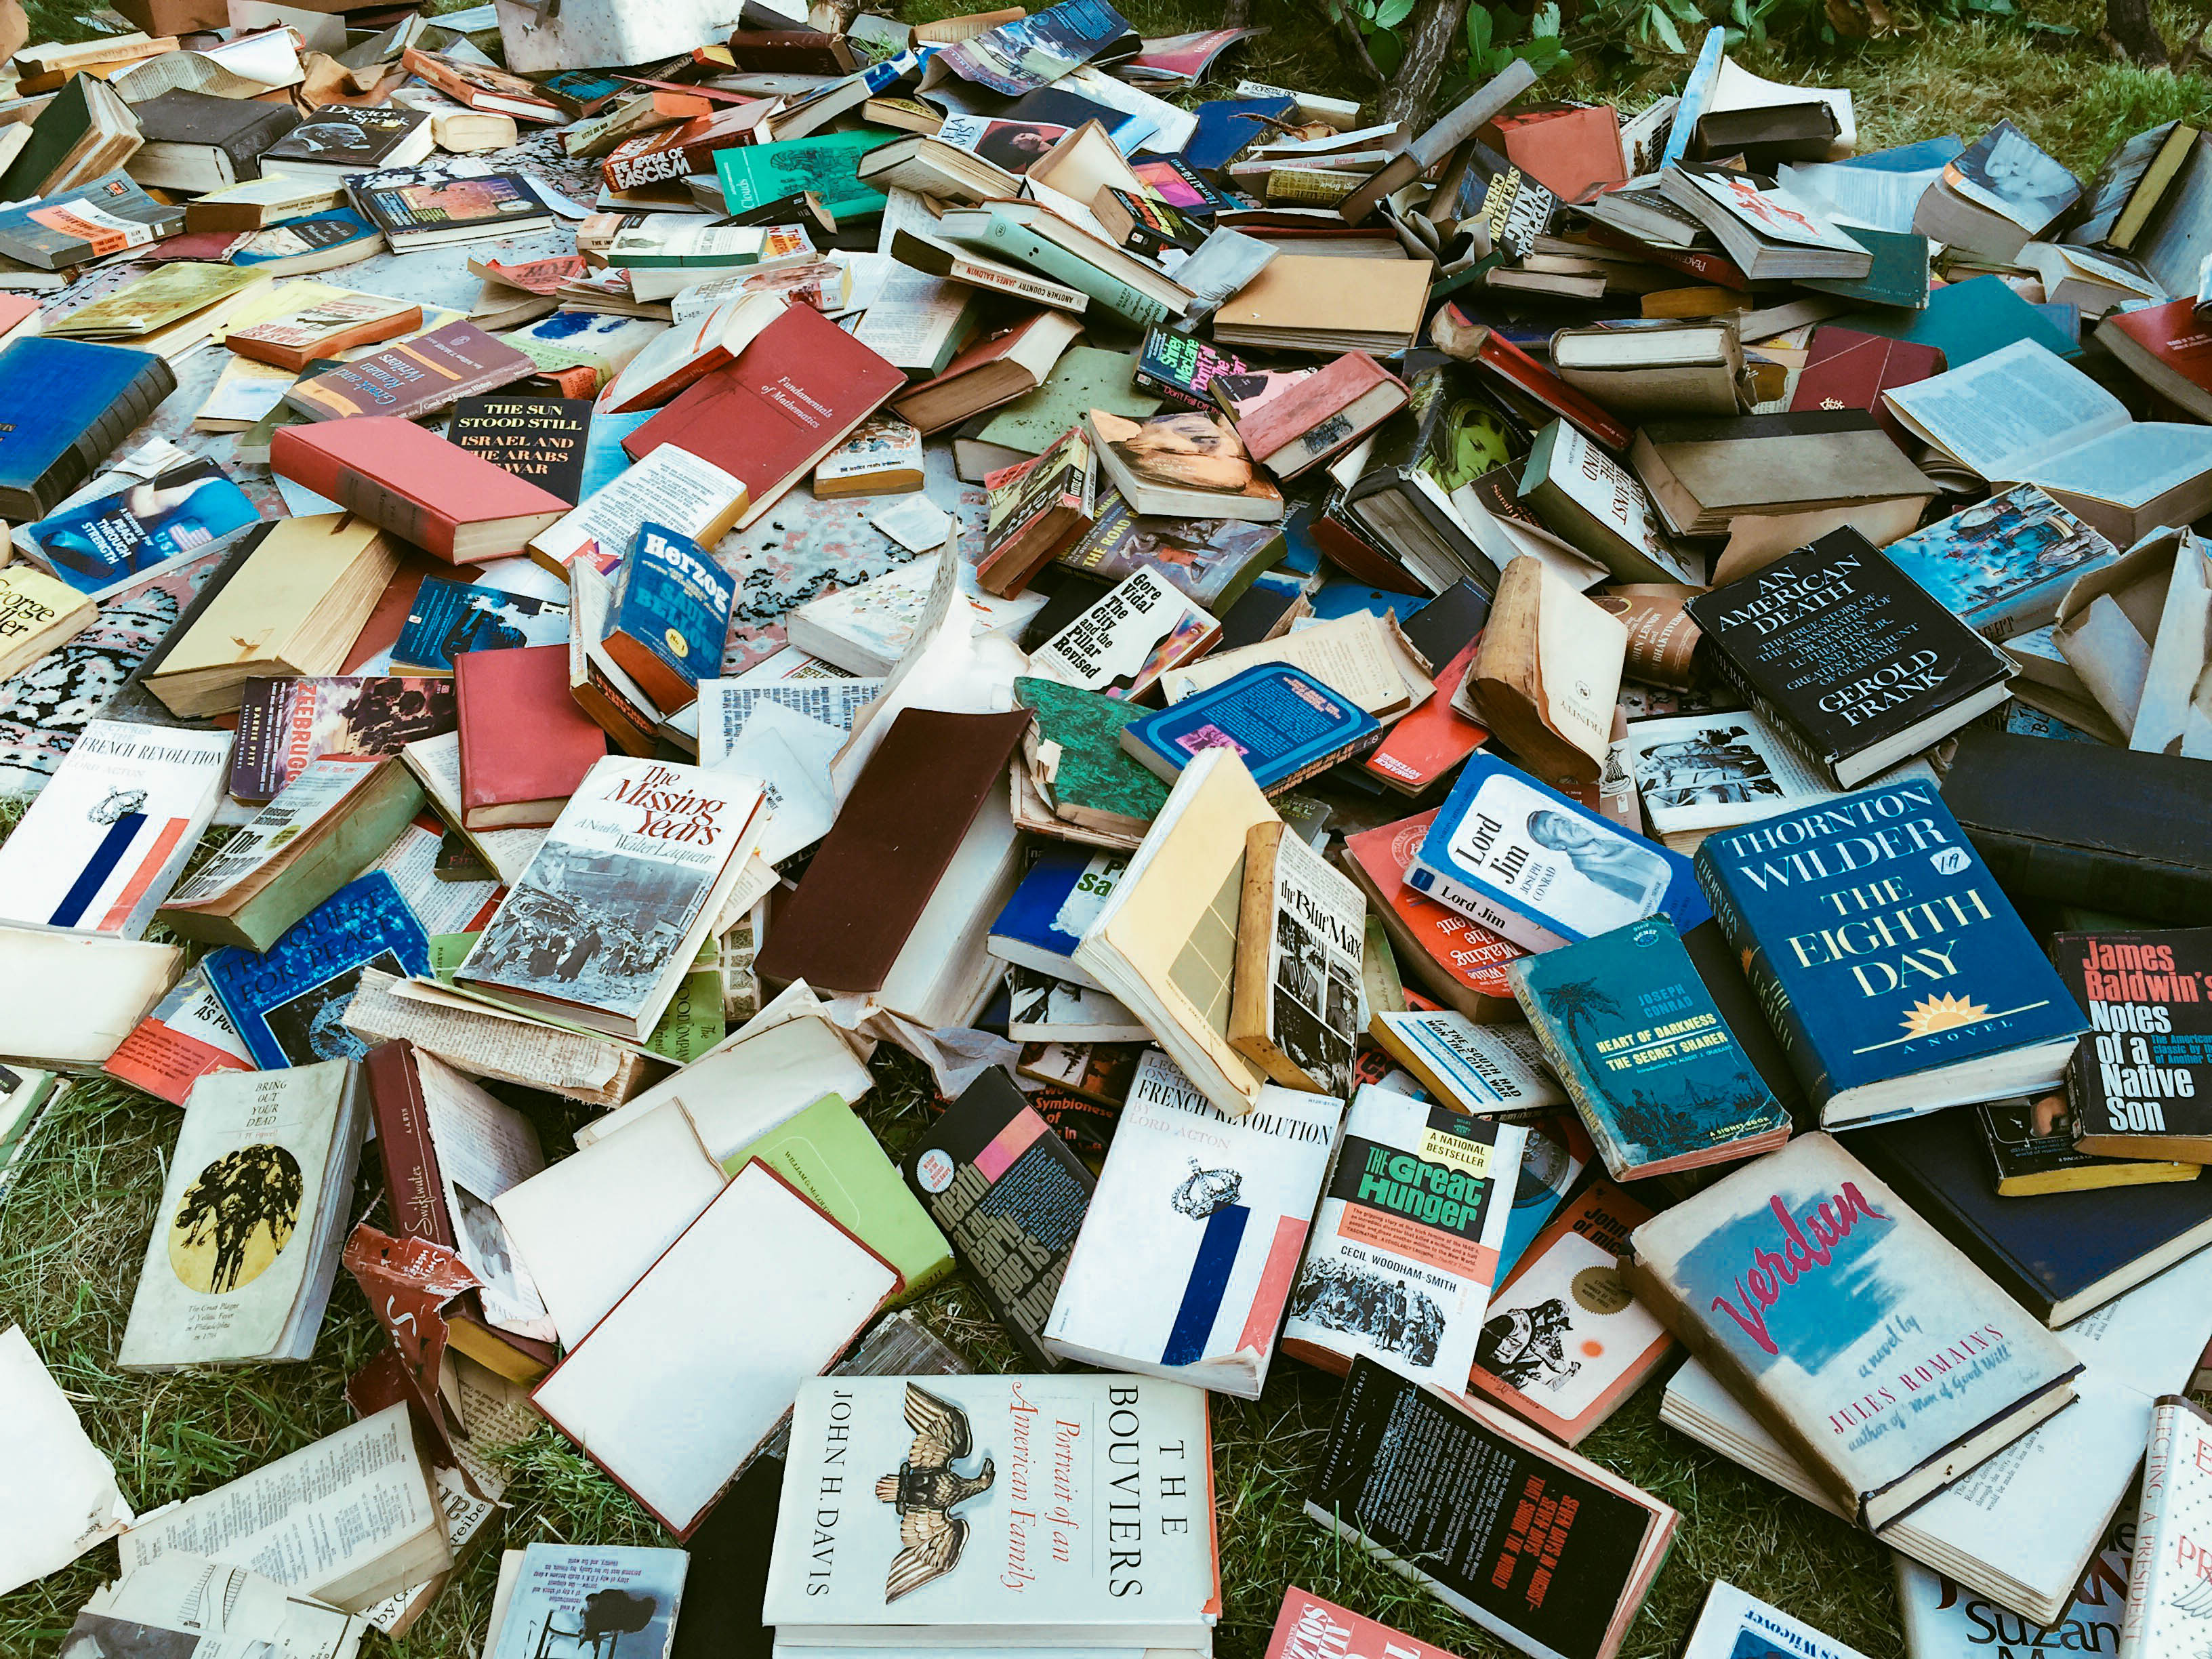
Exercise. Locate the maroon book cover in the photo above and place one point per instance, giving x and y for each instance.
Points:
(1846, 370)
(792, 395)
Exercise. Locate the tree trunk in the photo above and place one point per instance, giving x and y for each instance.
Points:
(1430, 34)
(2128, 25)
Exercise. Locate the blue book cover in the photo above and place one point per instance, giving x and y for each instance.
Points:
(1527, 862)
(1657, 1078)
(674, 602)
(449, 617)
(53, 393)
(1892, 968)
(1060, 895)
(2002, 566)
(1919, 156)
(1285, 725)
(604, 458)
(288, 238)
(1335, 598)
(288, 1002)
(1968, 320)
(1226, 129)
(110, 539)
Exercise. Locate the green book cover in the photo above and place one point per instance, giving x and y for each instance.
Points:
(1096, 775)
(1084, 378)
(827, 1153)
(1966, 320)
(54, 133)
(828, 164)
(1899, 276)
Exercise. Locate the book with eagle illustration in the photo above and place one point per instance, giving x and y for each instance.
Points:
(976, 1511)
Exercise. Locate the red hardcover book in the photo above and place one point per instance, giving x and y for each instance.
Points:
(2169, 349)
(1309, 1627)
(1846, 370)
(1457, 335)
(1320, 415)
(1433, 739)
(675, 153)
(1461, 962)
(525, 743)
(794, 393)
(415, 485)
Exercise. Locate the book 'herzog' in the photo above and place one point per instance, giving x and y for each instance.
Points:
(1406, 1245)
(669, 611)
(1869, 1345)
(1886, 958)
(1190, 1244)
(2140, 1083)
(1027, 1512)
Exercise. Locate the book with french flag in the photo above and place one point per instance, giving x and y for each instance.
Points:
(1192, 1241)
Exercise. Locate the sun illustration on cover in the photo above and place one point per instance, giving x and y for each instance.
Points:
(236, 1218)
(1942, 1013)
(926, 1490)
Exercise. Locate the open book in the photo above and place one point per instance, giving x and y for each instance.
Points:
(2022, 415)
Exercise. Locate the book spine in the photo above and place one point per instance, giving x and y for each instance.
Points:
(2151, 1509)
(1025, 287)
(1776, 716)
(107, 433)
(414, 1190)
(1107, 290)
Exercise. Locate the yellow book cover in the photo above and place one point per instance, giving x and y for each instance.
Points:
(270, 604)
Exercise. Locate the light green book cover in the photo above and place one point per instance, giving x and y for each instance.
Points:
(827, 1153)
(1085, 378)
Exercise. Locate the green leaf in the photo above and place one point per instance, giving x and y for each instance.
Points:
(1544, 21)
(1387, 50)
(1663, 27)
(1478, 36)
(1391, 13)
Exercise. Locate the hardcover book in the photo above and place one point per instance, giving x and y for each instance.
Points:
(1885, 1360)
(417, 377)
(1856, 663)
(526, 745)
(2031, 1148)
(1597, 505)
(539, 440)
(936, 1445)
(289, 1001)
(64, 406)
(1527, 862)
(1283, 723)
(668, 616)
(2140, 1085)
(2003, 565)
(1192, 1239)
(110, 834)
(1565, 1344)
(417, 485)
(1010, 1195)
(244, 1246)
(419, 210)
(603, 924)
(1944, 1618)
(1887, 958)
(2165, 1584)
(1415, 1478)
(1659, 1080)
(1406, 1243)
(1301, 945)
(284, 724)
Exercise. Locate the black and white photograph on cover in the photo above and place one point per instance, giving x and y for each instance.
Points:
(1716, 765)
(591, 927)
(1316, 1006)
(2004, 172)
(311, 1026)
(1393, 1315)
(1521, 1346)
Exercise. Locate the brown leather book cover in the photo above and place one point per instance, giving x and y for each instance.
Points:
(860, 897)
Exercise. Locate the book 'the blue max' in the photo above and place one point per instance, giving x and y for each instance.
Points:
(288, 1002)
(1542, 869)
(1285, 724)
(1886, 959)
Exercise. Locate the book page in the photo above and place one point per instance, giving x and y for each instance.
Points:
(480, 1041)
(2003, 414)
(725, 706)
(1352, 655)
(221, 1612)
(63, 1497)
(326, 1514)
(313, 796)
(484, 1148)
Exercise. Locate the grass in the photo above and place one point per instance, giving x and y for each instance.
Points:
(76, 1225)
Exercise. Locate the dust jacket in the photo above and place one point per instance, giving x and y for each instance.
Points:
(1885, 1362)
(1883, 951)
(2140, 1086)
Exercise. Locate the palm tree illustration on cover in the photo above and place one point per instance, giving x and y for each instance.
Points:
(236, 1219)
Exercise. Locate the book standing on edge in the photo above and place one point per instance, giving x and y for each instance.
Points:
(2141, 1083)
(1869, 1345)
(1885, 958)
(1414, 1478)
(1565, 1343)
(1405, 1243)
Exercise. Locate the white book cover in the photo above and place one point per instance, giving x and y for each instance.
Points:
(761, 1292)
(1406, 1244)
(1615, 496)
(1484, 1068)
(670, 486)
(2169, 1610)
(925, 1511)
(1193, 1238)
(108, 837)
(1715, 771)
(244, 1246)
(59, 1496)
(1736, 1625)
(1946, 1620)
(609, 915)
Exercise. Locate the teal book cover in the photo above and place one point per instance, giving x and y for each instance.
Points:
(1658, 1078)
(828, 164)
(1899, 276)
(1967, 320)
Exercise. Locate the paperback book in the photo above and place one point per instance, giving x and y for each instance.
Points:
(1284, 724)
(2140, 1085)
(450, 618)
(1295, 1005)
(2003, 565)
(283, 724)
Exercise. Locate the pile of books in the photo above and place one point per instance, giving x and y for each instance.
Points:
(1510, 760)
